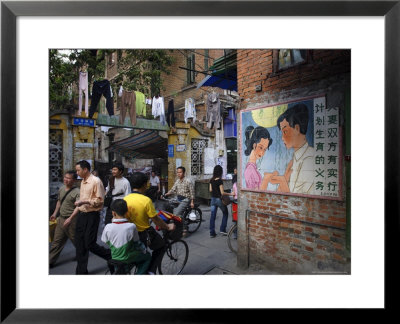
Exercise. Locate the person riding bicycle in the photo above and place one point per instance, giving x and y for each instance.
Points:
(140, 211)
(123, 239)
(184, 190)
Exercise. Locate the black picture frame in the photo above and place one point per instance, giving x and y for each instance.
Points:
(10, 10)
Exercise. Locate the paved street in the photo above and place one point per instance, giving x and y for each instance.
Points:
(210, 256)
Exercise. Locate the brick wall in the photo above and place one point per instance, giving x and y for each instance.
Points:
(292, 234)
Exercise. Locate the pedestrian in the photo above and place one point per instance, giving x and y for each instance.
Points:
(123, 239)
(216, 188)
(140, 211)
(88, 219)
(65, 213)
(118, 187)
(234, 202)
(155, 188)
(184, 190)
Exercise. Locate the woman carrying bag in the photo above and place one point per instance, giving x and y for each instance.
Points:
(217, 192)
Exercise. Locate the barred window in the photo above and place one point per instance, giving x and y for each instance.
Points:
(55, 155)
(197, 161)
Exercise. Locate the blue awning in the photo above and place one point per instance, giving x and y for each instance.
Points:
(224, 81)
(224, 73)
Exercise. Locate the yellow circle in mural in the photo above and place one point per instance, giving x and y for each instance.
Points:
(267, 117)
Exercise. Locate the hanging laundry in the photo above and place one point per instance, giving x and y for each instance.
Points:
(190, 110)
(213, 110)
(128, 104)
(157, 109)
(171, 114)
(83, 88)
(140, 104)
(100, 88)
(69, 90)
(148, 101)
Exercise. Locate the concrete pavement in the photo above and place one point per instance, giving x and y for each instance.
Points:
(207, 256)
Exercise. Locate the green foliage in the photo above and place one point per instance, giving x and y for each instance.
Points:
(64, 72)
(139, 70)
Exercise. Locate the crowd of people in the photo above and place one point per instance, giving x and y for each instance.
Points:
(128, 232)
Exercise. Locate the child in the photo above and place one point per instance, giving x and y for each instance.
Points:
(123, 239)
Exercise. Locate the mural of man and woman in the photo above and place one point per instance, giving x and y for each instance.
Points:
(295, 175)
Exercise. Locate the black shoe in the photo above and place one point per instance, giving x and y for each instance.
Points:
(212, 235)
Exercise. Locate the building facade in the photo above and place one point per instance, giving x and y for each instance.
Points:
(193, 142)
(294, 180)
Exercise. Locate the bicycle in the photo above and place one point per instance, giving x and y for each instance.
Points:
(192, 217)
(232, 234)
(175, 256)
(176, 253)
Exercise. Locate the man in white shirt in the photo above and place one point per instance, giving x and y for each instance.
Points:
(155, 187)
(299, 174)
(118, 187)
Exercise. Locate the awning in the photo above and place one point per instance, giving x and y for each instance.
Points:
(224, 73)
(224, 81)
(145, 145)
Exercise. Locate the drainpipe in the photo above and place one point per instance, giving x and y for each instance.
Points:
(248, 236)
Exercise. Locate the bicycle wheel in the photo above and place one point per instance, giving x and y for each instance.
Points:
(174, 259)
(232, 238)
(193, 225)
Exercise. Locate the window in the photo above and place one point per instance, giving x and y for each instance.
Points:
(206, 60)
(231, 154)
(191, 67)
(287, 58)
(197, 160)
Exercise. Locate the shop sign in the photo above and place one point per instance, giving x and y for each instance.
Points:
(181, 148)
(170, 150)
(83, 122)
(84, 145)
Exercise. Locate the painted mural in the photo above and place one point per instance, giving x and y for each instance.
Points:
(292, 148)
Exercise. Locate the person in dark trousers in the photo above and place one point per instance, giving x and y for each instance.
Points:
(154, 191)
(217, 190)
(90, 204)
(65, 213)
(140, 211)
(118, 187)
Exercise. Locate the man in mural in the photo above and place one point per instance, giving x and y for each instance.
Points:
(299, 174)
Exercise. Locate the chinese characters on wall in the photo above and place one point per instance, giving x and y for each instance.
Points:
(326, 139)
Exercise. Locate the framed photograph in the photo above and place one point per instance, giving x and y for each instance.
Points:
(20, 244)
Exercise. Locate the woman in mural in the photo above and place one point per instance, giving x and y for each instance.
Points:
(257, 142)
